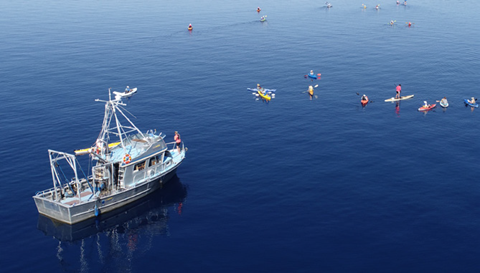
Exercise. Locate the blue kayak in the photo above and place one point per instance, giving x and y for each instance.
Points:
(469, 103)
(312, 76)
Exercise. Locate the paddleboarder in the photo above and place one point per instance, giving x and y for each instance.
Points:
(398, 90)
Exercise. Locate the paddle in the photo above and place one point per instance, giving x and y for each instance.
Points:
(307, 90)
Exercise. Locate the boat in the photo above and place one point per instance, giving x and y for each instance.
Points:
(126, 165)
(427, 108)
(264, 96)
(263, 18)
(470, 104)
(443, 104)
(401, 98)
(364, 101)
(126, 94)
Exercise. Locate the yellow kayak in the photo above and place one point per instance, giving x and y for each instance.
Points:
(265, 97)
(86, 150)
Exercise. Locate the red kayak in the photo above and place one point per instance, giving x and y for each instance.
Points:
(364, 101)
(428, 108)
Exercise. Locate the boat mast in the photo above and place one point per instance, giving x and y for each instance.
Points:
(111, 108)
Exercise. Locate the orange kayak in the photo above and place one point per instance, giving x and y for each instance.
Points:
(428, 108)
(365, 101)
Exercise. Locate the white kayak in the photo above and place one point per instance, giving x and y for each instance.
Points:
(265, 90)
(401, 98)
(125, 94)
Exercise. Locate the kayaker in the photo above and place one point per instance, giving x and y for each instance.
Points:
(472, 101)
(392, 22)
(364, 97)
(405, 3)
(444, 101)
(377, 7)
(310, 92)
(258, 9)
(364, 6)
(259, 88)
(425, 104)
(328, 4)
(398, 2)
(409, 24)
(178, 141)
(398, 90)
(311, 73)
(190, 27)
(127, 89)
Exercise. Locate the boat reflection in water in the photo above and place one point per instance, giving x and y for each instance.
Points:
(116, 235)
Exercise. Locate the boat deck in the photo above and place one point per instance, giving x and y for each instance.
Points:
(84, 196)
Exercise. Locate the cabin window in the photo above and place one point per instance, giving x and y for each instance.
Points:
(154, 160)
(139, 166)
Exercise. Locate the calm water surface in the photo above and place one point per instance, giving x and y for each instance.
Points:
(289, 186)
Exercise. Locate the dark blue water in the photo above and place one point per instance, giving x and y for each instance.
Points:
(289, 186)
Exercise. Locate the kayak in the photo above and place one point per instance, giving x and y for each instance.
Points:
(364, 102)
(401, 98)
(470, 104)
(312, 76)
(265, 97)
(125, 94)
(88, 150)
(266, 90)
(428, 108)
(444, 105)
(190, 28)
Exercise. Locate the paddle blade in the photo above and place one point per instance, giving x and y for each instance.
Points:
(316, 86)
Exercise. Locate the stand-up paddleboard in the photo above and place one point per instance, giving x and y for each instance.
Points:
(401, 98)
(470, 104)
(427, 108)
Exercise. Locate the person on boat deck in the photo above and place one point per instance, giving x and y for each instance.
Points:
(472, 101)
(178, 141)
(310, 92)
(398, 90)
(127, 89)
